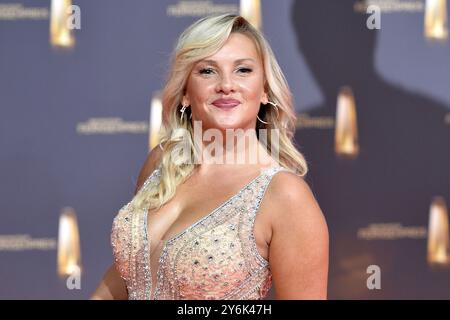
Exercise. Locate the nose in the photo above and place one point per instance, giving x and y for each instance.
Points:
(226, 84)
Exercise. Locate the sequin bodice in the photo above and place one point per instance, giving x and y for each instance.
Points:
(214, 258)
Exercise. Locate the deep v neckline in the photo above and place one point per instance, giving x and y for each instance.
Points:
(167, 243)
(206, 216)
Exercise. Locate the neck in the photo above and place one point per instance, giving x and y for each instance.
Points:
(234, 148)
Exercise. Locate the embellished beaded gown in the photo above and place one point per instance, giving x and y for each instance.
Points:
(214, 258)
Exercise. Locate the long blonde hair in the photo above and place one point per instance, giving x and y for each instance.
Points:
(200, 40)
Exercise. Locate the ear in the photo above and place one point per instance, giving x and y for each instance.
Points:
(185, 101)
(264, 98)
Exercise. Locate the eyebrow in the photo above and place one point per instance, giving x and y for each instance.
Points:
(236, 61)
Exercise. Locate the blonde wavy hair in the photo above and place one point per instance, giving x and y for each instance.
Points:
(200, 40)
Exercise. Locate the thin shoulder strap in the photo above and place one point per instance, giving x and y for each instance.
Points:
(151, 178)
(253, 204)
(268, 176)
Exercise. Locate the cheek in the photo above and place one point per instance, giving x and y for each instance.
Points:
(198, 91)
(252, 92)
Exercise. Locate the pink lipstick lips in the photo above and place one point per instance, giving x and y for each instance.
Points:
(226, 103)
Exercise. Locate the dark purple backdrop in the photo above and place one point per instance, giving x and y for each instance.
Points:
(402, 91)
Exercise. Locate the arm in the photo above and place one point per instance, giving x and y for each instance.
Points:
(299, 244)
(112, 285)
(149, 166)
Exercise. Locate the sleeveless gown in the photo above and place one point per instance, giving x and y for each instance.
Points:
(214, 258)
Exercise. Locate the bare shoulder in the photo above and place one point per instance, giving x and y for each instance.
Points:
(150, 164)
(294, 204)
(299, 245)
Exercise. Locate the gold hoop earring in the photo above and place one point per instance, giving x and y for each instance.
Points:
(276, 108)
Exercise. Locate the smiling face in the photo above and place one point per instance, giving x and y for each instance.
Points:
(225, 90)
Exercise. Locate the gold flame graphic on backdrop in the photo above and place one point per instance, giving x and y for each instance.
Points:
(251, 10)
(346, 132)
(60, 34)
(155, 120)
(69, 255)
(438, 237)
(436, 19)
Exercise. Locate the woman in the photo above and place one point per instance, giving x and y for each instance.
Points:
(218, 229)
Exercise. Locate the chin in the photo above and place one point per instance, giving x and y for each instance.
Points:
(228, 125)
(224, 122)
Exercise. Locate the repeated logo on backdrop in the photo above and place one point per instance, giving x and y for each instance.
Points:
(378, 152)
